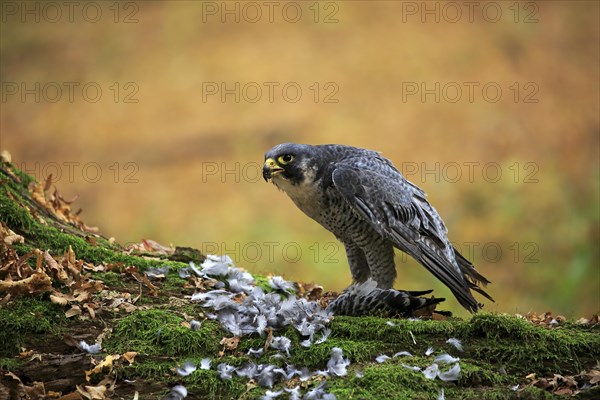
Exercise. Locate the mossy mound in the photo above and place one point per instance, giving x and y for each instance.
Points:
(500, 352)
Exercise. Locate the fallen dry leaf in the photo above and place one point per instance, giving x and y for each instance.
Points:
(129, 356)
(36, 390)
(22, 391)
(39, 282)
(310, 291)
(25, 353)
(70, 340)
(230, 343)
(12, 239)
(71, 396)
(73, 311)
(56, 268)
(144, 280)
(594, 376)
(269, 338)
(92, 392)
(149, 246)
(59, 298)
(90, 309)
(5, 156)
(106, 363)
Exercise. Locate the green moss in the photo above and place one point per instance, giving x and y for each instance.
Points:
(402, 331)
(154, 368)
(207, 384)
(173, 283)
(159, 332)
(10, 364)
(522, 347)
(110, 279)
(390, 380)
(15, 216)
(474, 374)
(25, 317)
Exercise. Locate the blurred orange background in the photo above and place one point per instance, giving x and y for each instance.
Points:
(157, 114)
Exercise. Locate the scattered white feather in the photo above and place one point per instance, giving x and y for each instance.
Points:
(514, 388)
(266, 375)
(441, 395)
(261, 324)
(412, 368)
(321, 372)
(215, 266)
(323, 338)
(195, 325)
(195, 269)
(155, 272)
(305, 327)
(382, 358)
(277, 356)
(278, 283)
(205, 363)
(390, 323)
(184, 273)
(255, 353)
(432, 371)
(429, 351)
(305, 374)
(412, 337)
(319, 393)
(359, 374)
(248, 370)
(225, 371)
(258, 312)
(291, 371)
(236, 286)
(337, 363)
(402, 353)
(456, 343)
(446, 359)
(282, 343)
(219, 285)
(294, 393)
(210, 296)
(453, 374)
(186, 369)
(91, 349)
(177, 393)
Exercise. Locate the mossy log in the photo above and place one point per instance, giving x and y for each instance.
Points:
(145, 332)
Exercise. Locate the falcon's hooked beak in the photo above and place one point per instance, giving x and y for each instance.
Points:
(270, 168)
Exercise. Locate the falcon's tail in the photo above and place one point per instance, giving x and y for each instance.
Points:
(460, 283)
(474, 279)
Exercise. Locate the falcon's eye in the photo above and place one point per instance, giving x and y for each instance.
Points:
(285, 159)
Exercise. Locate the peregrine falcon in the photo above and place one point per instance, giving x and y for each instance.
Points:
(362, 199)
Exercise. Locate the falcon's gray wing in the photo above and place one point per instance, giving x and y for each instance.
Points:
(399, 211)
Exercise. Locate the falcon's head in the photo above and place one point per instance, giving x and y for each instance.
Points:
(291, 164)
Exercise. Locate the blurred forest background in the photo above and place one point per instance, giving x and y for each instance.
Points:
(493, 109)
